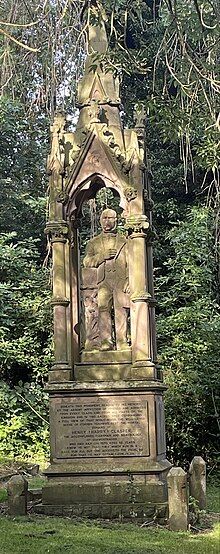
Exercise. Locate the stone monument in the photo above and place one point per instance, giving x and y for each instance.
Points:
(108, 455)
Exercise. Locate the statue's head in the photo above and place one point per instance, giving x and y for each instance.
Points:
(108, 220)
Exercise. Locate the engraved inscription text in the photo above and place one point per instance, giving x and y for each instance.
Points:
(101, 426)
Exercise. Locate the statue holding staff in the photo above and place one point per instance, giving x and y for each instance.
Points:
(108, 253)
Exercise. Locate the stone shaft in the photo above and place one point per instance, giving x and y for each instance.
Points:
(177, 499)
(17, 495)
(62, 331)
(197, 481)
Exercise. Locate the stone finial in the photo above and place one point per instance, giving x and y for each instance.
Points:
(55, 162)
(97, 39)
(17, 495)
(177, 499)
(197, 481)
(139, 116)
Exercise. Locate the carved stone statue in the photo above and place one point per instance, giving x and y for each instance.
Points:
(89, 292)
(108, 253)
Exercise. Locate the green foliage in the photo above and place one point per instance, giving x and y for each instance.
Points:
(41, 68)
(3, 495)
(24, 430)
(195, 514)
(25, 314)
(167, 55)
(25, 352)
(213, 500)
(23, 146)
(188, 331)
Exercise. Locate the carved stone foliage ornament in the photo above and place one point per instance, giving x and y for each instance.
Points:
(62, 197)
(94, 111)
(137, 224)
(58, 231)
(130, 193)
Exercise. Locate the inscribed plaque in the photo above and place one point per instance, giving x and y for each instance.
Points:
(101, 426)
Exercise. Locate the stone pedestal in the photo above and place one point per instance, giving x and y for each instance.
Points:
(108, 451)
(178, 499)
(17, 495)
(197, 481)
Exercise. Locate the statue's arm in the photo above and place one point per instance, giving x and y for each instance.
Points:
(92, 259)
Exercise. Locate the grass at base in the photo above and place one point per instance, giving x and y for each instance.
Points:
(213, 498)
(40, 535)
(3, 496)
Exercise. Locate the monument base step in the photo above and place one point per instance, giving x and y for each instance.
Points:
(121, 513)
(106, 356)
(107, 450)
(85, 372)
(102, 372)
(127, 498)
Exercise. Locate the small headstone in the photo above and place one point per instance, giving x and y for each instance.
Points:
(17, 489)
(197, 481)
(177, 499)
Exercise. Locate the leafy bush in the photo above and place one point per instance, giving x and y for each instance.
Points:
(25, 352)
(23, 421)
(188, 334)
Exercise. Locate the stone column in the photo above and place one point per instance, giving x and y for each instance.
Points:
(177, 499)
(69, 323)
(151, 300)
(137, 226)
(75, 290)
(197, 481)
(17, 495)
(61, 369)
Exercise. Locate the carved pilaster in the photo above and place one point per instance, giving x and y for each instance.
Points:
(55, 163)
(75, 286)
(138, 226)
(61, 369)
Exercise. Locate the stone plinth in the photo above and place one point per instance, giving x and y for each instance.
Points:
(17, 495)
(197, 481)
(178, 499)
(108, 451)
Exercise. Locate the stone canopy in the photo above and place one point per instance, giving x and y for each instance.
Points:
(100, 148)
(100, 153)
